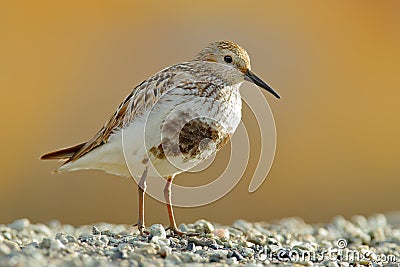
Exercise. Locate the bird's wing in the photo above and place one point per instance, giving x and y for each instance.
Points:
(140, 100)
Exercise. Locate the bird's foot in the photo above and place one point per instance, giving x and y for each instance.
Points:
(175, 231)
(142, 230)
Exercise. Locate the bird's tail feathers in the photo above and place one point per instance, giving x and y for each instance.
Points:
(65, 153)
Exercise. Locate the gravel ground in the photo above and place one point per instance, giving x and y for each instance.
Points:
(361, 241)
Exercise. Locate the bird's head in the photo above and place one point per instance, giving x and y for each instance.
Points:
(233, 55)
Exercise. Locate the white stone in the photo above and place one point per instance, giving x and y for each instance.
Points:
(19, 224)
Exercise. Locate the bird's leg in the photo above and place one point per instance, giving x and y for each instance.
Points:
(172, 225)
(142, 190)
(167, 196)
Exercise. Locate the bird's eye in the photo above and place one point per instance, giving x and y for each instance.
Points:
(228, 59)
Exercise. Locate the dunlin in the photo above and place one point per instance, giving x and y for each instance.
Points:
(170, 122)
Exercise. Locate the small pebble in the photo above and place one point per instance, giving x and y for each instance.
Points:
(19, 224)
(242, 225)
(105, 232)
(160, 241)
(4, 249)
(203, 241)
(257, 239)
(70, 238)
(237, 255)
(158, 230)
(223, 234)
(7, 235)
(33, 244)
(56, 244)
(333, 264)
(12, 245)
(95, 230)
(244, 243)
(232, 261)
(41, 228)
(183, 227)
(46, 243)
(247, 252)
(191, 247)
(173, 257)
(205, 226)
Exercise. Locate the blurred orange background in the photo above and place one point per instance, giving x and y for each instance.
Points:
(65, 67)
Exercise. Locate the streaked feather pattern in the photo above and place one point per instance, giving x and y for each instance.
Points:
(207, 78)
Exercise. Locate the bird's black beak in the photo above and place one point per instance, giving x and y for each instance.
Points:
(251, 77)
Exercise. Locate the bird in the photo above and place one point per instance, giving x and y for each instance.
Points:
(169, 123)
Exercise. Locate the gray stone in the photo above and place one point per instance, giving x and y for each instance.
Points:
(174, 258)
(339, 222)
(112, 240)
(205, 226)
(137, 257)
(246, 244)
(12, 245)
(257, 239)
(104, 239)
(203, 241)
(160, 241)
(99, 243)
(191, 247)
(247, 252)
(124, 246)
(146, 249)
(237, 255)
(138, 244)
(232, 261)
(7, 235)
(377, 221)
(56, 244)
(33, 245)
(243, 225)
(191, 258)
(235, 232)
(105, 232)
(183, 227)
(61, 237)
(95, 230)
(41, 228)
(70, 238)
(158, 230)
(272, 241)
(4, 249)
(19, 224)
(46, 243)
(218, 255)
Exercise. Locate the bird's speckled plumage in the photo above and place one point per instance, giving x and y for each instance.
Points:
(207, 78)
(170, 122)
(156, 97)
(189, 77)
